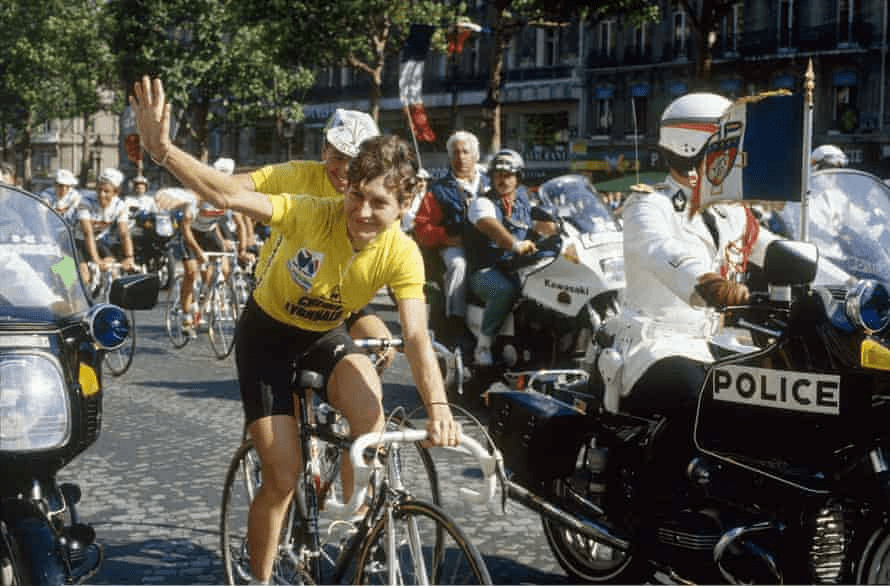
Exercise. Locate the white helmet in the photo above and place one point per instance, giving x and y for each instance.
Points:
(689, 121)
(224, 165)
(65, 177)
(112, 176)
(347, 129)
(828, 156)
(507, 160)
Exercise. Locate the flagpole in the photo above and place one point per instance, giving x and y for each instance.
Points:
(407, 112)
(809, 88)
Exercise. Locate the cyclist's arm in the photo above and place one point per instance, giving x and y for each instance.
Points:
(126, 244)
(425, 370)
(189, 238)
(89, 240)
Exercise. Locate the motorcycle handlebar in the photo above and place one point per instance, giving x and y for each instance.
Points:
(467, 445)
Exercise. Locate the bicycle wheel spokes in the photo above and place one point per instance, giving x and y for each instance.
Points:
(223, 319)
(118, 361)
(174, 315)
(242, 481)
(418, 556)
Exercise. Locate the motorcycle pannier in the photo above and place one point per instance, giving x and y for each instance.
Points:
(538, 435)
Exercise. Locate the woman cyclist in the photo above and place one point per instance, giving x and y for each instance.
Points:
(335, 253)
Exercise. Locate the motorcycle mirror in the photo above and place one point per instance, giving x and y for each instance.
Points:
(790, 262)
(135, 291)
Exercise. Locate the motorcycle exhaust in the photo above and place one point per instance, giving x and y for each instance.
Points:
(585, 527)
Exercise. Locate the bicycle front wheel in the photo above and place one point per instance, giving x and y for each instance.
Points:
(243, 479)
(174, 315)
(427, 547)
(223, 319)
(118, 361)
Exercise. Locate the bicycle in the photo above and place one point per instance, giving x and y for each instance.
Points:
(219, 306)
(117, 361)
(400, 539)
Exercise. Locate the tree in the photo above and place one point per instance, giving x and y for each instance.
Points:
(512, 15)
(52, 63)
(359, 34)
(216, 66)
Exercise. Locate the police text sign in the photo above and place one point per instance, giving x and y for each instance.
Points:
(778, 389)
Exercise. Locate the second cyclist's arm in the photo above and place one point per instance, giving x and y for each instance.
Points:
(424, 367)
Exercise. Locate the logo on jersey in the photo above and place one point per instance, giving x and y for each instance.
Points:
(303, 267)
(778, 389)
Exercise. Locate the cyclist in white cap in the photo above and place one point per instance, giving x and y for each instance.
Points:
(102, 233)
(344, 132)
(63, 196)
(828, 156)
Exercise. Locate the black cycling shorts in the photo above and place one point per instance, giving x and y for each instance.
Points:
(103, 248)
(208, 241)
(269, 354)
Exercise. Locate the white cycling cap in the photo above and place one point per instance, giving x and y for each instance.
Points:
(65, 177)
(140, 179)
(224, 165)
(347, 129)
(423, 173)
(112, 176)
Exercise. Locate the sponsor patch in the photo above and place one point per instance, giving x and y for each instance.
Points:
(303, 267)
(778, 389)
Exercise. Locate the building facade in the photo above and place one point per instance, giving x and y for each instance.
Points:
(588, 98)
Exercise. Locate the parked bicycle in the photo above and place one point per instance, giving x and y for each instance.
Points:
(399, 539)
(116, 361)
(217, 305)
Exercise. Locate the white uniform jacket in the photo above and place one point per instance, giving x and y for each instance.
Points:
(665, 251)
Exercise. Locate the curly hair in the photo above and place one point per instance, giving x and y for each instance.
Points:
(389, 156)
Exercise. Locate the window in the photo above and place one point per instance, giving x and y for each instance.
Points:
(607, 37)
(733, 25)
(847, 14)
(846, 117)
(548, 54)
(786, 24)
(681, 34)
(604, 116)
(641, 41)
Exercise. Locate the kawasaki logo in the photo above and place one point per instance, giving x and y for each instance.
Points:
(577, 289)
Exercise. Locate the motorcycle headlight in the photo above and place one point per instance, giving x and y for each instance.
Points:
(35, 413)
(867, 305)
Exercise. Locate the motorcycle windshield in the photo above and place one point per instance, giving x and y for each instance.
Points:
(39, 280)
(849, 220)
(575, 199)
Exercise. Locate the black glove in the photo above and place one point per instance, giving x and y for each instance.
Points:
(720, 292)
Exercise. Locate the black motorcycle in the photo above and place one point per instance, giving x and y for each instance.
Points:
(52, 342)
(790, 481)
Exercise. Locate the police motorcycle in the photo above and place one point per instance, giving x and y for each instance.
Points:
(52, 343)
(790, 481)
(568, 288)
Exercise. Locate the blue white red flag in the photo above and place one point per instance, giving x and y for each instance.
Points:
(756, 153)
(414, 53)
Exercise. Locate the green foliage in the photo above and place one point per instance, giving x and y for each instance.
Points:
(53, 62)
(219, 63)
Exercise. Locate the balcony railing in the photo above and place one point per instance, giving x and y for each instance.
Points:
(538, 73)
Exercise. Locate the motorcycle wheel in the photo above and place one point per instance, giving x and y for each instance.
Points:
(10, 559)
(586, 560)
(874, 565)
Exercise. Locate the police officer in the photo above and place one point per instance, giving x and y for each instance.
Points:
(677, 266)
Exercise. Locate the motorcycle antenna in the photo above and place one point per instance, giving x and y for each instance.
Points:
(809, 87)
(633, 109)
